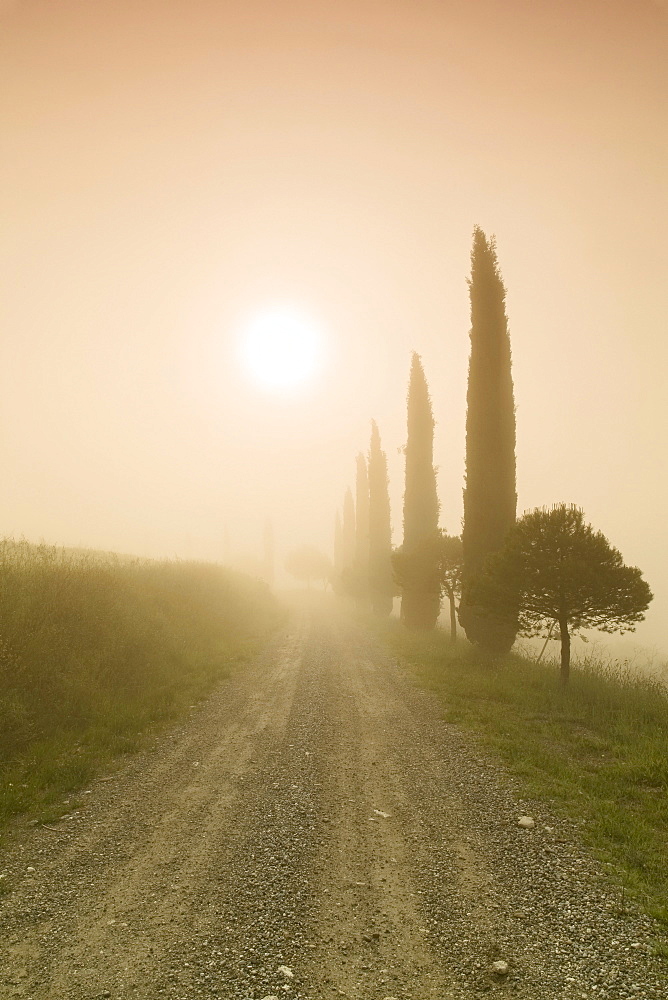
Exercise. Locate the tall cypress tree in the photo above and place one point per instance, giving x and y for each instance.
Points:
(362, 524)
(420, 602)
(381, 583)
(348, 544)
(348, 539)
(490, 497)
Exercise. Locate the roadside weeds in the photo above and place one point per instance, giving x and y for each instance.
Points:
(99, 651)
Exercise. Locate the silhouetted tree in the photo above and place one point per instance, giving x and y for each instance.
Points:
(418, 570)
(565, 573)
(490, 498)
(381, 583)
(308, 563)
(362, 528)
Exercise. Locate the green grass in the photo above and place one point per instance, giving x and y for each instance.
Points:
(598, 750)
(95, 651)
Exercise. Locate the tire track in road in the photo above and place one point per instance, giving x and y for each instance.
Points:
(374, 928)
(108, 902)
(315, 831)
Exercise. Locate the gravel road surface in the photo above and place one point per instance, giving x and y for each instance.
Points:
(314, 831)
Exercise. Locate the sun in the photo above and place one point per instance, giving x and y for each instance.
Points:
(281, 348)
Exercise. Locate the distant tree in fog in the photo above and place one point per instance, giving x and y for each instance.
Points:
(308, 563)
(348, 530)
(381, 583)
(490, 497)
(338, 567)
(361, 565)
(416, 564)
(561, 572)
(347, 581)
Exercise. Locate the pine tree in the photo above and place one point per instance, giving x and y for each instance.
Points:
(554, 569)
(381, 583)
(420, 603)
(450, 563)
(490, 498)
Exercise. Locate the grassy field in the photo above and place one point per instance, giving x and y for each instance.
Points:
(95, 650)
(598, 750)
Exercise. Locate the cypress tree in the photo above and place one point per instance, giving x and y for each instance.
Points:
(348, 543)
(381, 582)
(420, 602)
(490, 497)
(348, 532)
(362, 527)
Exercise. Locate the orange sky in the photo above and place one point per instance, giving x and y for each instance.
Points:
(169, 166)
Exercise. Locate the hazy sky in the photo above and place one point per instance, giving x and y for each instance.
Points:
(170, 167)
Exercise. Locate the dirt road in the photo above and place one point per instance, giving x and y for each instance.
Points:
(314, 831)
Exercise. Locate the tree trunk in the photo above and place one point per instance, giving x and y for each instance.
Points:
(420, 609)
(565, 651)
(453, 618)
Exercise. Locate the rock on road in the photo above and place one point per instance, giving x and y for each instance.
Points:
(314, 831)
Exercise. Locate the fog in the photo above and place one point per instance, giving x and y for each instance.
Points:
(168, 170)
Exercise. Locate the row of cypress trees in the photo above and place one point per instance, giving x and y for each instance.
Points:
(363, 556)
(363, 540)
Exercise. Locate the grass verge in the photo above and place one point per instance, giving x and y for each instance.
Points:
(95, 651)
(598, 751)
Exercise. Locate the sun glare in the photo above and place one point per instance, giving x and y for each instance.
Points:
(281, 348)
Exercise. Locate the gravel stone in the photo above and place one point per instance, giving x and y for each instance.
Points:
(175, 882)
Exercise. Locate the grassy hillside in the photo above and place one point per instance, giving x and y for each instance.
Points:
(599, 750)
(94, 649)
